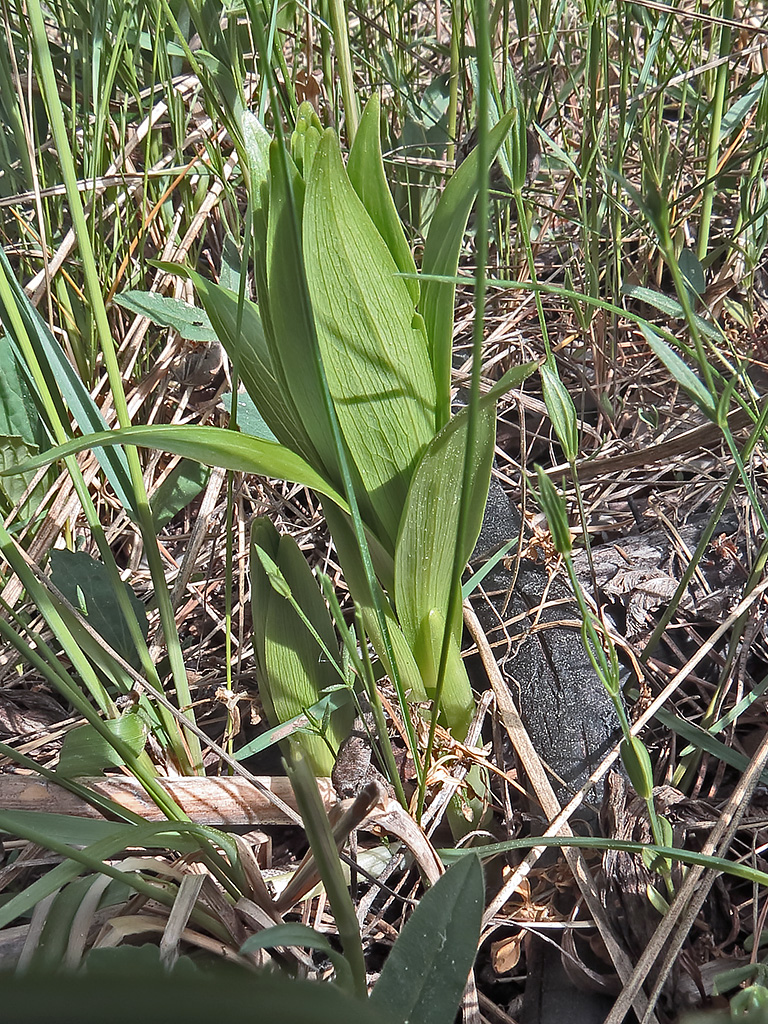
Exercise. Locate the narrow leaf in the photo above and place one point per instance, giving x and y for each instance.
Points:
(248, 348)
(681, 372)
(209, 445)
(441, 258)
(366, 173)
(62, 381)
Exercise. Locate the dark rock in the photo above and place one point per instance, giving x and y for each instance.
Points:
(569, 716)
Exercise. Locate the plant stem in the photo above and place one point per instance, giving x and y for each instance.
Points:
(716, 119)
(344, 60)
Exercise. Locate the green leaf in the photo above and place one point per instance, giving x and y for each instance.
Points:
(101, 840)
(248, 350)
(355, 578)
(292, 668)
(561, 409)
(257, 140)
(210, 445)
(182, 485)
(424, 556)
(15, 451)
(425, 974)
(51, 948)
(374, 353)
(292, 344)
(18, 414)
(191, 323)
(249, 419)
(553, 506)
(365, 168)
(680, 371)
(338, 698)
(637, 761)
(306, 138)
(325, 849)
(441, 258)
(62, 381)
(671, 307)
(295, 934)
(86, 752)
(693, 273)
(86, 584)
(291, 934)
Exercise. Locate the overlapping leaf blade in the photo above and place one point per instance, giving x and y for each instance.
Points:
(355, 578)
(292, 345)
(375, 358)
(249, 348)
(426, 545)
(293, 670)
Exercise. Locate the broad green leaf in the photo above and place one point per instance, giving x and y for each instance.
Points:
(375, 355)
(424, 556)
(637, 761)
(18, 414)
(210, 445)
(693, 273)
(365, 168)
(249, 419)
(86, 584)
(231, 265)
(292, 668)
(182, 485)
(457, 702)
(441, 258)
(425, 974)
(132, 994)
(305, 138)
(293, 345)
(87, 752)
(191, 323)
(249, 351)
(681, 372)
